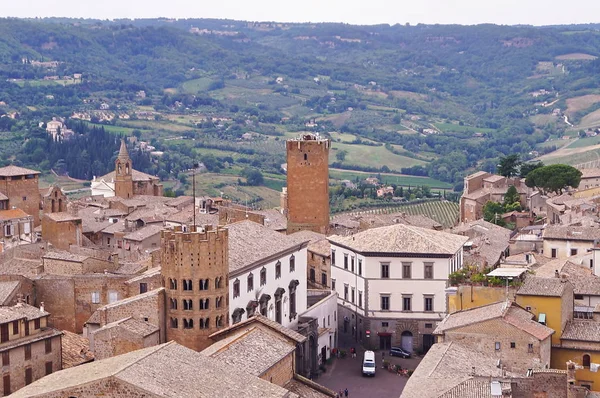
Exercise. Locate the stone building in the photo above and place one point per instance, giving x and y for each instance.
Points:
(503, 331)
(62, 230)
(167, 370)
(308, 183)
(124, 336)
(125, 180)
(482, 187)
(53, 200)
(19, 188)
(318, 259)
(30, 349)
(195, 268)
(16, 227)
(391, 283)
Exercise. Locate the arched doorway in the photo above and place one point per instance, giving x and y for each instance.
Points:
(312, 348)
(407, 341)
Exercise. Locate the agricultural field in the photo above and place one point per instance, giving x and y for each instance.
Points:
(576, 57)
(197, 85)
(372, 156)
(442, 211)
(581, 103)
(390, 178)
(590, 120)
(455, 127)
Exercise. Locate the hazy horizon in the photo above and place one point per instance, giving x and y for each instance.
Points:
(463, 12)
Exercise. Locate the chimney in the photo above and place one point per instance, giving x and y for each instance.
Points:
(556, 274)
(42, 307)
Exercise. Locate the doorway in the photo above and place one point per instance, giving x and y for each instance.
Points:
(385, 342)
(428, 341)
(407, 341)
(323, 355)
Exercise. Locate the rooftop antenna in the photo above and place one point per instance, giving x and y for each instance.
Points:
(194, 189)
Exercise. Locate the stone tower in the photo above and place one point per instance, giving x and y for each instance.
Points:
(308, 184)
(195, 269)
(123, 174)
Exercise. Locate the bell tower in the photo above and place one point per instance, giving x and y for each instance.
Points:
(123, 176)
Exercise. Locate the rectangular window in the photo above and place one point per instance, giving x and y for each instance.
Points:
(352, 296)
(360, 299)
(27, 352)
(352, 263)
(428, 304)
(95, 297)
(345, 261)
(5, 358)
(332, 257)
(112, 297)
(406, 303)
(6, 384)
(36, 323)
(385, 303)
(324, 278)
(406, 270)
(359, 266)
(428, 272)
(278, 270)
(143, 287)
(332, 284)
(530, 347)
(346, 292)
(385, 324)
(497, 345)
(553, 253)
(577, 297)
(236, 289)
(16, 327)
(513, 344)
(385, 270)
(48, 344)
(28, 376)
(429, 326)
(48, 368)
(573, 252)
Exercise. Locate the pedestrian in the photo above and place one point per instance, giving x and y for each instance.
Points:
(341, 394)
(346, 392)
(383, 355)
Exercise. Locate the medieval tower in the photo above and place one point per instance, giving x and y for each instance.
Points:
(308, 184)
(195, 269)
(123, 174)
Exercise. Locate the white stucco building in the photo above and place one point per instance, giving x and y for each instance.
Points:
(267, 272)
(391, 283)
(323, 308)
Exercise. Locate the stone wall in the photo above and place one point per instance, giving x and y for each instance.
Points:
(118, 340)
(62, 234)
(25, 289)
(38, 360)
(281, 372)
(152, 281)
(308, 184)
(320, 265)
(229, 215)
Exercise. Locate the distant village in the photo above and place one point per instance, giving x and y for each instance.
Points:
(106, 294)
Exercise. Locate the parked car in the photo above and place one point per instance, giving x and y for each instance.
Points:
(399, 352)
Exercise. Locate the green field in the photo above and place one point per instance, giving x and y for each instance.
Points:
(461, 129)
(197, 85)
(113, 129)
(372, 156)
(388, 178)
(583, 142)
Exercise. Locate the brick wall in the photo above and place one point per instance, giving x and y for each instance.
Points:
(281, 372)
(152, 282)
(24, 194)
(308, 185)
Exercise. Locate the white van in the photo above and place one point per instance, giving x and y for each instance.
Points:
(368, 366)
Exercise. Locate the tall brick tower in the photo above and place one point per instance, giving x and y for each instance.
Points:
(123, 176)
(195, 269)
(308, 183)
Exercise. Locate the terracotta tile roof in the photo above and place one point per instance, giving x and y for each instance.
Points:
(135, 326)
(12, 214)
(62, 216)
(6, 290)
(253, 349)
(273, 219)
(250, 243)
(146, 274)
(75, 350)
(144, 233)
(135, 175)
(265, 321)
(582, 330)
(166, 370)
(318, 243)
(133, 298)
(592, 172)
(446, 366)
(20, 311)
(571, 233)
(552, 287)
(64, 255)
(583, 280)
(402, 238)
(474, 388)
(12, 171)
(308, 389)
(509, 312)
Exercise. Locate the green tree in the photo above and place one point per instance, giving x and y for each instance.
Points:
(509, 165)
(527, 168)
(511, 197)
(341, 155)
(554, 178)
(254, 177)
(492, 212)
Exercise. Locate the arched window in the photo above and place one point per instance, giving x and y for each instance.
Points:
(187, 284)
(218, 301)
(292, 263)
(204, 304)
(263, 276)
(188, 323)
(586, 361)
(187, 305)
(173, 284)
(173, 304)
(236, 288)
(203, 284)
(219, 321)
(207, 323)
(305, 156)
(218, 282)
(250, 282)
(174, 323)
(312, 274)
(278, 270)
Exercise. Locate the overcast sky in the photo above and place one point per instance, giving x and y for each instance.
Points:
(534, 12)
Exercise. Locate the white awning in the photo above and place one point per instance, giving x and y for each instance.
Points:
(507, 272)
